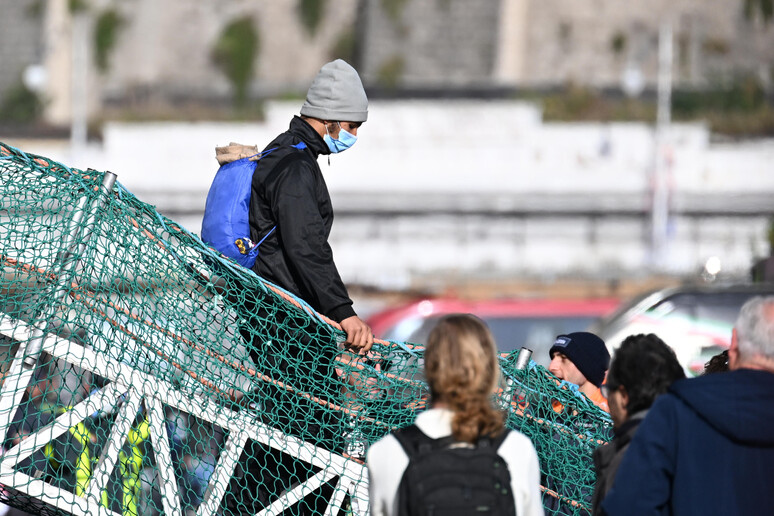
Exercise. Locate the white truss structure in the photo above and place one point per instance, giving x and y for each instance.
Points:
(134, 388)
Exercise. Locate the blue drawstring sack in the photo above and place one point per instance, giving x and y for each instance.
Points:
(226, 221)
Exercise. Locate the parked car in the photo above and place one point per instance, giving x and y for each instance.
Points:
(695, 320)
(531, 323)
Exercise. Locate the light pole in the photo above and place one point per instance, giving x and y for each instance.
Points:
(659, 209)
(80, 81)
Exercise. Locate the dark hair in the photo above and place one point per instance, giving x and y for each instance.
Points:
(462, 371)
(646, 367)
(717, 364)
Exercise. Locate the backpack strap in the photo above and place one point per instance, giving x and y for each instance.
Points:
(285, 160)
(415, 442)
(493, 442)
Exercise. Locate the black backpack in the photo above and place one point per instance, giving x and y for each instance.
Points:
(446, 478)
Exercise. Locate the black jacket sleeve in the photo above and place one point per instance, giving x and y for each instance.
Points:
(304, 238)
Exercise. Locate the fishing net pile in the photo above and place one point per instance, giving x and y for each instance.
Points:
(143, 373)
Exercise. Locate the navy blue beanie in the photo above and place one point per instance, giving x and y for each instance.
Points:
(587, 351)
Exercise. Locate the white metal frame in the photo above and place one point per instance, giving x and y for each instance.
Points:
(136, 388)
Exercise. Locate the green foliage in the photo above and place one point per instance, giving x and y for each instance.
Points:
(234, 53)
(394, 9)
(618, 43)
(20, 105)
(344, 47)
(391, 71)
(743, 95)
(742, 125)
(763, 7)
(106, 31)
(77, 6)
(580, 103)
(35, 9)
(771, 236)
(716, 46)
(311, 14)
(577, 100)
(740, 109)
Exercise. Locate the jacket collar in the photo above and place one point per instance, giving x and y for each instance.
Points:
(301, 129)
(604, 454)
(625, 432)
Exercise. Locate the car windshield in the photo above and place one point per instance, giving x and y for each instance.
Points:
(695, 322)
(712, 314)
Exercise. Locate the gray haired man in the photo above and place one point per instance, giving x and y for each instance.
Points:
(707, 445)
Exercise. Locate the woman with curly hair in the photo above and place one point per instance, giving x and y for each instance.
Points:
(462, 371)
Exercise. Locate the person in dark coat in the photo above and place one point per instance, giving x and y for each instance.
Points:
(641, 370)
(289, 193)
(290, 218)
(707, 445)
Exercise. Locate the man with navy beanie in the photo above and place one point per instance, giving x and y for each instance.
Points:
(581, 358)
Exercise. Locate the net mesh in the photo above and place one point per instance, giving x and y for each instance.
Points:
(142, 373)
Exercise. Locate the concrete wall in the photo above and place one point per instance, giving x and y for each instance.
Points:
(431, 42)
(163, 50)
(574, 42)
(480, 189)
(166, 48)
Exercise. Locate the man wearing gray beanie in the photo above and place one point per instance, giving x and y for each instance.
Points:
(289, 193)
(290, 217)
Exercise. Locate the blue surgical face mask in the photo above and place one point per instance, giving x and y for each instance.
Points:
(344, 142)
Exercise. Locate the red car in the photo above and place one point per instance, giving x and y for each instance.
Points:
(531, 323)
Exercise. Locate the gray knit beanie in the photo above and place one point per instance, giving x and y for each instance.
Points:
(336, 94)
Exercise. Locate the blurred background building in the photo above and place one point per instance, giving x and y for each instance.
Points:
(511, 143)
(142, 54)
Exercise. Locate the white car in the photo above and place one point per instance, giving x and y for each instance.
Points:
(695, 320)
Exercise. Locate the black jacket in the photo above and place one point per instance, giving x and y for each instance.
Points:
(289, 192)
(608, 457)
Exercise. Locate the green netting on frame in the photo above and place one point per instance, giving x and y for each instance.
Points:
(142, 373)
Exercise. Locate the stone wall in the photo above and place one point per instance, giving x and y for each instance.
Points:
(502, 195)
(593, 41)
(163, 49)
(166, 48)
(441, 43)
(430, 42)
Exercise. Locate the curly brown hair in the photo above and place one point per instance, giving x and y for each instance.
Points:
(462, 371)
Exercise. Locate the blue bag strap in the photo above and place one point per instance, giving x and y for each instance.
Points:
(265, 237)
(299, 146)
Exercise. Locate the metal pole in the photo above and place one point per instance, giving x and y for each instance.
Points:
(79, 82)
(522, 360)
(660, 193)
(27, 356)
(68, 261)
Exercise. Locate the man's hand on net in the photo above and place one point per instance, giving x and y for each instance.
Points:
(359, 335)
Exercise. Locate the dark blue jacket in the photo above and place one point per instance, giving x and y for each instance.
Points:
(706, 447)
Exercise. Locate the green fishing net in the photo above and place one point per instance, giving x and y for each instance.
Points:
(143, 373)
